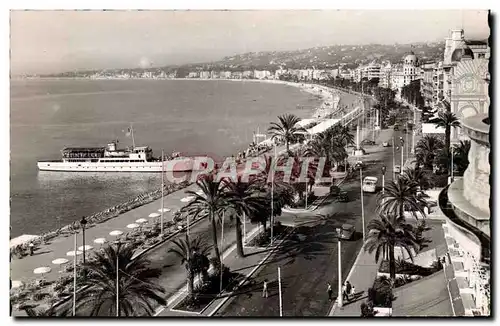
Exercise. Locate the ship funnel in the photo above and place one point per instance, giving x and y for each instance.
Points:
(112, 146)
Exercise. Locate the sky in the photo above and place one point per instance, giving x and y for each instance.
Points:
(57, 41)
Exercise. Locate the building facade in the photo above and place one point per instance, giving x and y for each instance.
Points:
(427, 83)
(467, 228)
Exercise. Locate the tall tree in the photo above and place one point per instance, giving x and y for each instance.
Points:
(447, 119)
(426, 150)
(212, 202)
(193, 254)
(246, 198)
(387, 232)
(401, 194)
(136, 291)
(286, 129)
(461, 155)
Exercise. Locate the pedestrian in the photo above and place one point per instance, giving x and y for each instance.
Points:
(330, 291)
(348, 288)
(31, 246)
(344, 292)
(265, 293)
(353, 292)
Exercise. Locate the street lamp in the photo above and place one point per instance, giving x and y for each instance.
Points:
(83, 222)
(383, 178)
(402, 154)
(362, 205)
(339, 277)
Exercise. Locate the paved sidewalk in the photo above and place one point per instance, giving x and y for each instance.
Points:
(246, 266)
(22, 269)
(361, 276)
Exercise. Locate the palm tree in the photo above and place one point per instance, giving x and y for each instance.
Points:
(418, 176)
(193, 254)
(385, 234)
(447, 119)
(426, 150)
(136, 290)
(246, 198)
(286, 129)
(401, 194)
(461, 155)
(210, 203)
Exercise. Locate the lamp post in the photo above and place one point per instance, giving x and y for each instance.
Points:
(362, 205)
(118, 244)
(393, 160)
(402, 154)
(339, 277)
(83, 222)
(383, 178)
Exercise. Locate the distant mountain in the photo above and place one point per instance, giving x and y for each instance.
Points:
(326, 57)
(332, 57)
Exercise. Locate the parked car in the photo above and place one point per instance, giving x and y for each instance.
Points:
(385, 144)
(397, 169)
(367, 142)
(347, 231)
(343, 197)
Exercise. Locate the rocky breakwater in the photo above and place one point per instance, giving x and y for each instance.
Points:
(22, 250)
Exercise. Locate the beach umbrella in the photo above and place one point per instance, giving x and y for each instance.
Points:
(87, 247)
(115, 233)
(141, 220)
(60, 262)
(154, 215)
(17, 284)
(100, 241)
(42, 270)
(133, 226)
(73, 253)
(165, 210)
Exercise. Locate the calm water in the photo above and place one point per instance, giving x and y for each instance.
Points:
(193, 117)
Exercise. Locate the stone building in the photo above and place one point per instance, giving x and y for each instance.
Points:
(465, 203)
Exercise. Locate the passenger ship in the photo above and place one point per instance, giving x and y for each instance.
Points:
(112, 159)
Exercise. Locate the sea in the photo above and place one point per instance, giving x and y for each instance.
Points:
(194, 117)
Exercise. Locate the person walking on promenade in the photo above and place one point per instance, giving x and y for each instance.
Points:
(344, 292)
(265, 293)
(353, 292)
(329, 291)
(31, 246)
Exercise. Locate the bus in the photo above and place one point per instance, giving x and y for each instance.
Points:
(370, 184)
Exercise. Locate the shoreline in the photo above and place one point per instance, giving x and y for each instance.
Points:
(325, 93)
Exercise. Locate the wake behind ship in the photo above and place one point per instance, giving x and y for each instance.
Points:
(112, 159)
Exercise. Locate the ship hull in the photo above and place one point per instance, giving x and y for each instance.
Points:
(184, 165)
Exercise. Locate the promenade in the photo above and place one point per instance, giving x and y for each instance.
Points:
(173, 273)
(309, 259)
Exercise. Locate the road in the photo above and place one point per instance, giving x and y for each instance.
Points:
(309, 258)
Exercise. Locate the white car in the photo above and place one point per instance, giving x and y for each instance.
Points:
(370, 184)
(385, 144)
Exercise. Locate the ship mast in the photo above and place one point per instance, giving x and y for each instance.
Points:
(132, 134)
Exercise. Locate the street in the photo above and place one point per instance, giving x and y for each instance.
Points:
(309, 258)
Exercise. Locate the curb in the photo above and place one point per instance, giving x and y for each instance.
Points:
(335, 304)
(135, 256)
(183, 289)
(229, 295)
